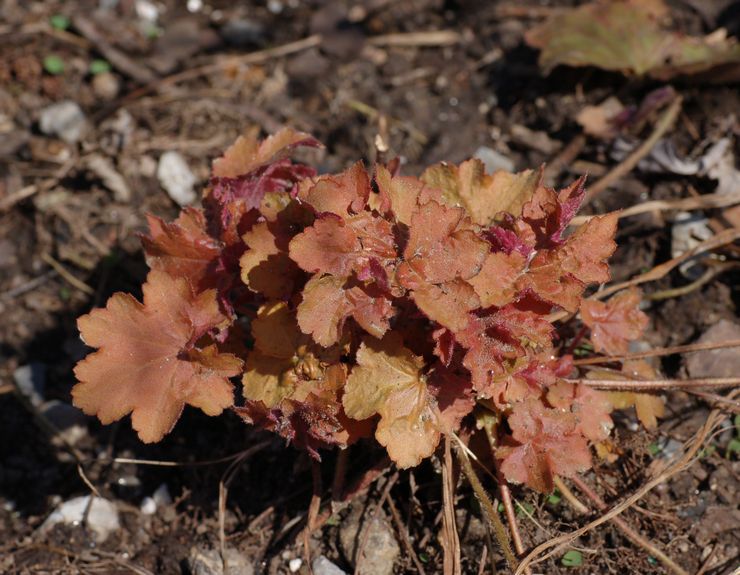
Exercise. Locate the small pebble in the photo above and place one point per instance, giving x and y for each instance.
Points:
(493, 160)
(295, 564)
(106, 85)
(176, 178)
(102, 516)
(322, 566)
(65, 120)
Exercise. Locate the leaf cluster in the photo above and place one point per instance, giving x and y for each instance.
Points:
(366, 304)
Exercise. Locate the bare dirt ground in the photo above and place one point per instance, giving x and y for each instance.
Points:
(71, 209)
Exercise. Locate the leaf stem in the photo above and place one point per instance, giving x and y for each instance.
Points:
(494, 520)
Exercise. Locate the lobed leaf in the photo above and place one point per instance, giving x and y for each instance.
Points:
(150, 362)
(616, 322)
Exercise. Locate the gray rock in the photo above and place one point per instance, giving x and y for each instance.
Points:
(65, 119)
(716, 362)
(380, 550)
(176, 178)
(70, 421)
(209, 562)
(493, 160)
(31, 381)
(322, 566)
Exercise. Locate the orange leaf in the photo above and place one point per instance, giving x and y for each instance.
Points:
(182, 248)
(544, 443)
(495, 284)
(248, 153)
(402, 194)
(616, 322)
(442, 245)
(590, 406)
(388, 381)
(483, 196)
(339, 194)
(148, 364)
(329, 246)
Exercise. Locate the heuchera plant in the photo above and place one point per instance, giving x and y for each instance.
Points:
(365, 303)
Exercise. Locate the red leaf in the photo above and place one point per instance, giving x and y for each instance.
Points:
(544, 443)
(148, 363)
(615, 323)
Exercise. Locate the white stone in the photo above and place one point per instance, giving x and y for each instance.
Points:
(102, 518)
(65, 119)
(176, 178)
(295, 564)
(493, 160)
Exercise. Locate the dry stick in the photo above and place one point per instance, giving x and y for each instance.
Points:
(662, 270)
(569, 496)
(118, 59)
(659, 384)
(623, 168)
(712, 272)
(396, 516)
(257, 57)
(706, 201)
(505, 493)
(676, 349)
(450, 538)
(553, 546)
(223, 490)
(629, 532)
(417, 39)
(493, 518)
(67, 275)
(564, 158)
(313, 510)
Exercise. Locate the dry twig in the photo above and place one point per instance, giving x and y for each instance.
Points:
(623, 168)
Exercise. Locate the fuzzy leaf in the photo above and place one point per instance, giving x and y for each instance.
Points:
(544, 443)
(616, 322)
(329, 246)
(266, 267)
(182, 248)
(648, 407)
(402, 194)
(248, 153)
(323, 310)
(483, 196)
(495, 284)
(148, 363)
(327, 304)
(590, 406)
(388, 381)
(339, 194)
